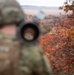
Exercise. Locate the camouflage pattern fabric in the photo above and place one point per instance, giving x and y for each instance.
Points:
(10, 12)
(9, 55)
(33, 61)
(21, 59)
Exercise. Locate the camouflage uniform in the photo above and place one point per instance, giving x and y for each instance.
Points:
(9, 55)
(33, 61)
(17, 58)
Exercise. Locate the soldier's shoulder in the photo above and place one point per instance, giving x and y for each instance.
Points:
(37, 50)
(34, 47)
(32, 50)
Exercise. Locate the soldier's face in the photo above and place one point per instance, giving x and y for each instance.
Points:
(29, 34)
(9, 29)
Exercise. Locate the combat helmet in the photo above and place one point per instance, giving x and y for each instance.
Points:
(10, 12)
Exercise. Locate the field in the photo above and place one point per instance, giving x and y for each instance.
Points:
(56, 40)
(47, 12)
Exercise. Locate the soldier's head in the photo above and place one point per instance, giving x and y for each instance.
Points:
(11, 15)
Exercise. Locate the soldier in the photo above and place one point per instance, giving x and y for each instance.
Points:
(17, 58)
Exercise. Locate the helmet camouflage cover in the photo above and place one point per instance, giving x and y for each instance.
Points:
(10, 12)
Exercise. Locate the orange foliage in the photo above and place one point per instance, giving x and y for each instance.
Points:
(59, 48)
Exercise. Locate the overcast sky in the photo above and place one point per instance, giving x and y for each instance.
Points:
(42, 2)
